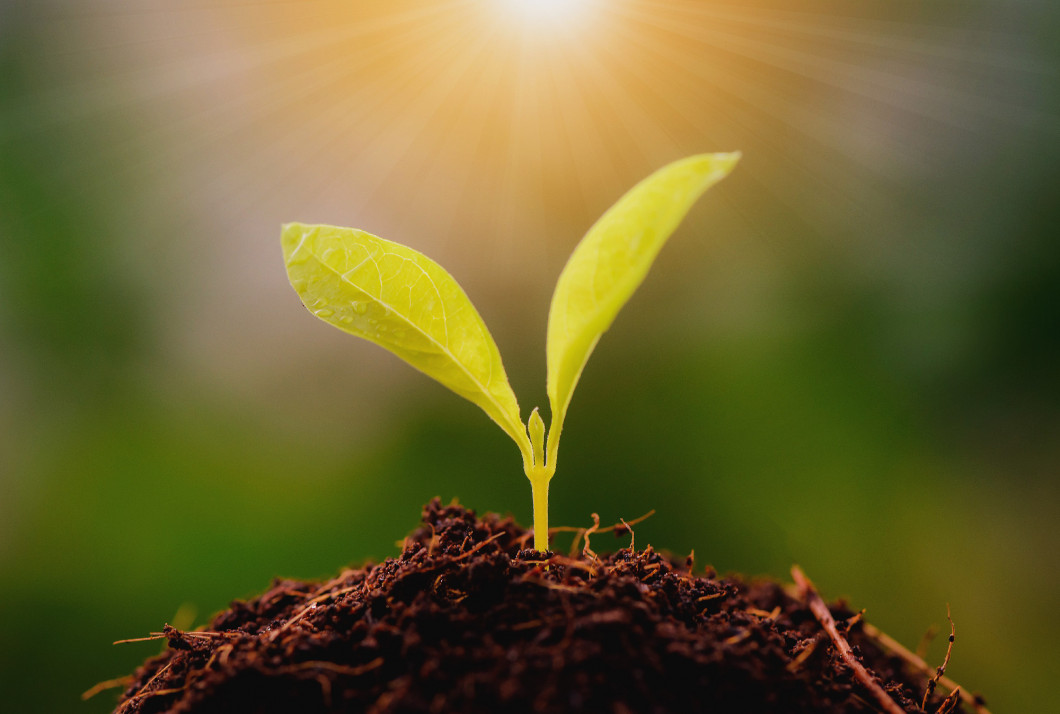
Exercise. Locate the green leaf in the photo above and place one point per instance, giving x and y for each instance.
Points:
(404, 301)
(609, 264)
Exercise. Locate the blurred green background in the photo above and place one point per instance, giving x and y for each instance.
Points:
(847, 357)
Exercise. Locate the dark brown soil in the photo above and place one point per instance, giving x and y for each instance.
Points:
(467, 620)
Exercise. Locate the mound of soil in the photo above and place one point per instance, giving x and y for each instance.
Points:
(467, 619)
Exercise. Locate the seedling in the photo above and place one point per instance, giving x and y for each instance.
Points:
(400, 299)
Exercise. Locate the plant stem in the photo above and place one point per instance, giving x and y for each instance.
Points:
(539, 487)
(539, 473)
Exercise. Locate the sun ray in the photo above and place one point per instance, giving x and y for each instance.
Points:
(466, 98)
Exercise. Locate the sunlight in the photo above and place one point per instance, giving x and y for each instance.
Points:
(548, 10)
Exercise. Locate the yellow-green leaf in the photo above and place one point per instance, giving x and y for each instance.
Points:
(401, 299)
(609, 264)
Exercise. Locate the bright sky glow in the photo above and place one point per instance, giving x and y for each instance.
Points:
(548, 10)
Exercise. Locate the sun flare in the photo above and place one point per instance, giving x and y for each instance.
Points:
(548, 10)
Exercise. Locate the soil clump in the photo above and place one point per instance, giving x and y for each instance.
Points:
(467, 619)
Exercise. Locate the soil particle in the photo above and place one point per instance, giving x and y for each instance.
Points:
(467, 619)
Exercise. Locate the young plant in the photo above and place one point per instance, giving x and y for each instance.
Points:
(407, 303)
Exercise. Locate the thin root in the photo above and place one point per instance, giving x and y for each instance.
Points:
(946, 660)
(892, 645)
(576, 542)
(152, 636)
(588, 532)
(104, 686)
(331, 667)
(632, 536)
(579, 532)
(634, 522)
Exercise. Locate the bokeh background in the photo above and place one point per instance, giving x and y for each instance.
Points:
(846, 358)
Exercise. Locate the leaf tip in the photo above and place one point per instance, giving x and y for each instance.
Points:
(718, 165)
(291, 228)
(730, 159)
(292, 237)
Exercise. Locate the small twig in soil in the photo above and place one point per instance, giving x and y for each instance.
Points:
(152, 636)
(824, 616)
(764, 614)
(941, 670)
(712, 596)
(796, 664)
(949, 704)
(143, 690)
(738, 637)
(853, 620)
(330, 585)
(480, 546)
(310, 605)
(574, 563)
(148, 695)
(200, 634)
(894, 646)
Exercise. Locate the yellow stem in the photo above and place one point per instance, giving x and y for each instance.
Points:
(539, 487)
